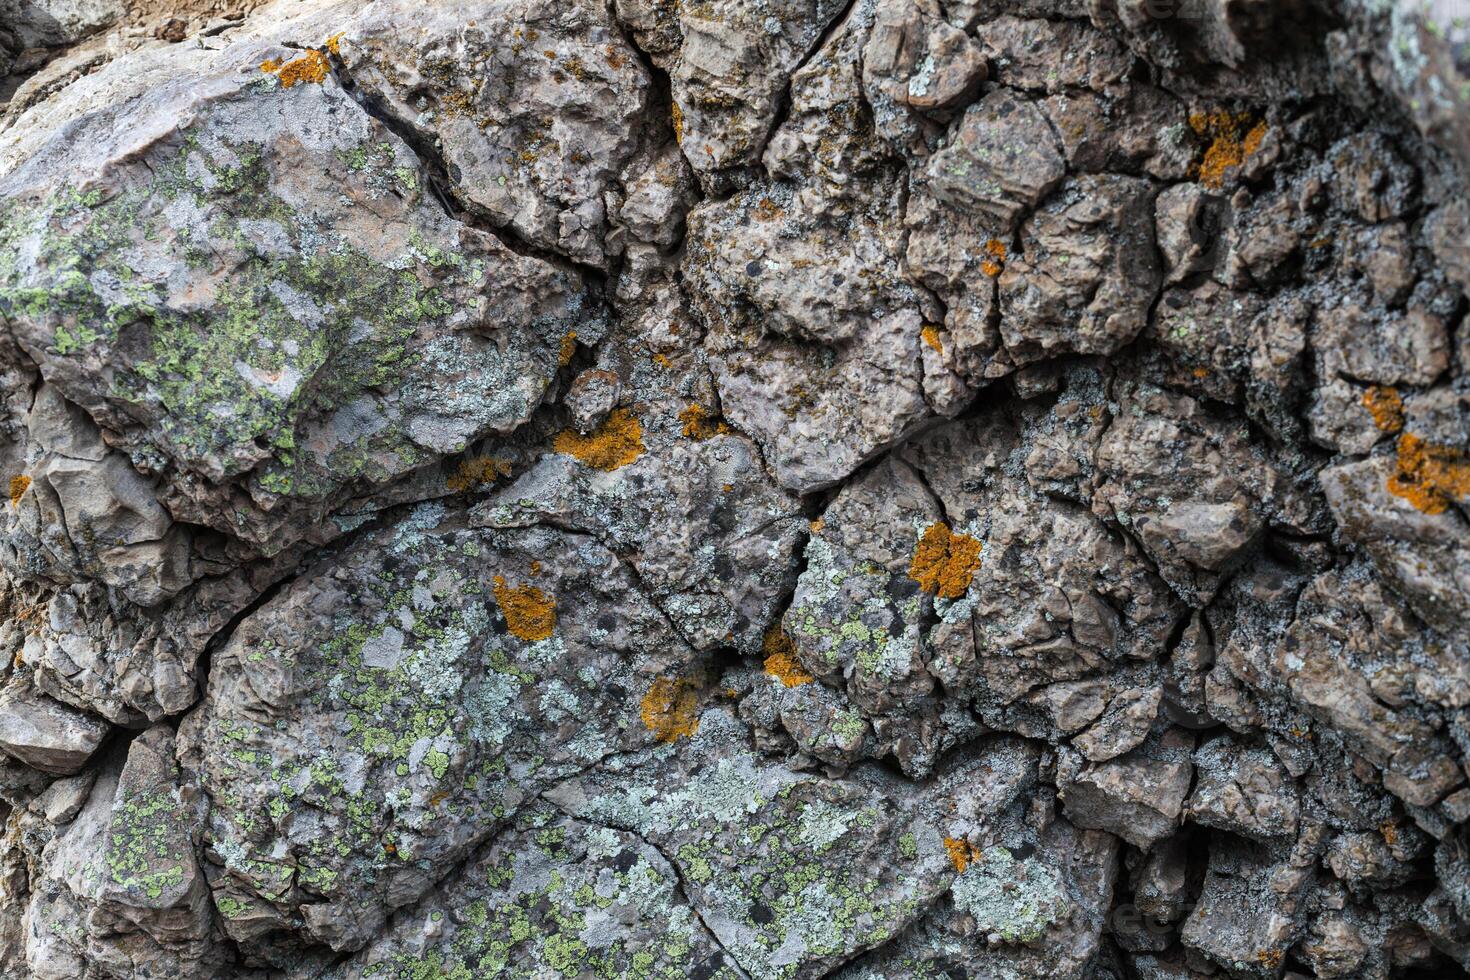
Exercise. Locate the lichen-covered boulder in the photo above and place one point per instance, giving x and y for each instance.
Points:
(203, 272)
(390, 709)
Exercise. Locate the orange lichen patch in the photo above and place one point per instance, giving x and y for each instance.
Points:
(529, 612)
(612, 445)
(1429, 476)
(727, 487)
(1389, 831)
(944, 563)
(930, 336)
(1255, 138)
(568, 348)
(334, 44)
(1270, 958)
(961, 853)
(995, 261)
(1386, 407)
(781, 662)
(1228, 149)
(478, 472)
(311, 67)
(18, 487)
(669, 708)
(700, 424)
(677, 115)
(662, 361)
(1200, 373)
(767, 210)
(817, 525)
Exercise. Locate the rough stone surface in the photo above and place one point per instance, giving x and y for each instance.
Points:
(726, 489)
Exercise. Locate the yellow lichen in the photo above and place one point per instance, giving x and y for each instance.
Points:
(1228, 149)
(669, 708)
(568, 348)
(478, 472)
(781, 662)
(961, 853)
(817, 525)
(1429, 476)
(334, 44)
(700, 424)
(995, 261)
(1200, 373)
(944, 563)
(662, 361)
(1386, 407)
(529, 612)
(312, 67)
(18, 487)
(930, 336)
(612, 445)
(678, 119)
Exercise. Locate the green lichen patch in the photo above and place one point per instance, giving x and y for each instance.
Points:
(798, 871)
(600, 903)
(147, 852)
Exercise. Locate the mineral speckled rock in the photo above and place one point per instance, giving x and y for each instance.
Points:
(740, 489)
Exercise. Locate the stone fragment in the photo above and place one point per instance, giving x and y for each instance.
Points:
(1138, 796)
(229, 249)
(1254, 903)
(1002, 160)
(1085, 275)
(45, 734)
(1123, 727)
(1191, 487)
(1242, 790)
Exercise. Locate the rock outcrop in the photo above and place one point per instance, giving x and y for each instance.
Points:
(715, 489)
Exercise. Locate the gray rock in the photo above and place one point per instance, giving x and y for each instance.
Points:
(778, 489)
(45, 734)
(1242, 790)
(1138, 796)
(36, 23)
(538, 136)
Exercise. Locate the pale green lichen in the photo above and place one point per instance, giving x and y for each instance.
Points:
(1012, 900)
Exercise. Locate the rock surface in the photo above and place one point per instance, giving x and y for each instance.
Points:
(759, 491)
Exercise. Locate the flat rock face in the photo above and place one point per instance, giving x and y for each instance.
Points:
(715, 489)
